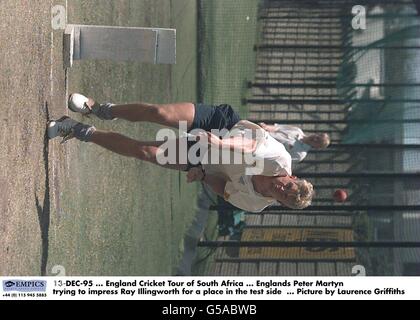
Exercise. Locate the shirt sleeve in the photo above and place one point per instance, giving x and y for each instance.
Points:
(299, 151)
(288, 129)
(298, 156)
(272, 157)
(250, 130)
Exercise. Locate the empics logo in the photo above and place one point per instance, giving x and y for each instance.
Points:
(25, 285)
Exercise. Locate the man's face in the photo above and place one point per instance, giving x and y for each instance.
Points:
(316, 141)
(284, 189)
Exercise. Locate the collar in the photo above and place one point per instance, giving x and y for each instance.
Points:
(303, 146)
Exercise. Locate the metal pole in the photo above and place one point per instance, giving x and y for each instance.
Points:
(310, 65)
(338, 2)
(309, 244)
(287, 30)
(304, 213)
(328, 47)
(325, 79)
(301, 111)
(330, 151)
(350, 121)
(295, 227)
(315, 162)
(328, 57)
(327, 101)
(301, 260)
(294, 101)
(315, 18)
(364, 175)
(316, 24)
(373, 146)
(333, 4)
(347, 208)
(292, 85)
(277, 95)
(331, 186)
(332, 131)
(323, 200)
(285, 69)
(355, 208)
(326, 85)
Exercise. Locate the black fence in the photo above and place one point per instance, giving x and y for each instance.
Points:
(362, 87)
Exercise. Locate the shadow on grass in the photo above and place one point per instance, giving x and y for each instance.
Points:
(44, 210)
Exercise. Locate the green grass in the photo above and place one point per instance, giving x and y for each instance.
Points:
(227, 38)
(120, 216)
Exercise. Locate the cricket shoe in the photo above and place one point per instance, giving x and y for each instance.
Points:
(81, 104)
(68, 128)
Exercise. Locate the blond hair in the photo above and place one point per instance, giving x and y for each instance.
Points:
(325, 140)
(303, 197)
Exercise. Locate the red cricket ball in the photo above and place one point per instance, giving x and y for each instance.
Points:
(340, 195)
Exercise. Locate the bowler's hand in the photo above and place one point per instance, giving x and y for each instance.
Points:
(267, 127)
(195, 174)
(209, 138)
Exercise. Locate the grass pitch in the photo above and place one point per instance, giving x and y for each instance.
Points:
(78, 206)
